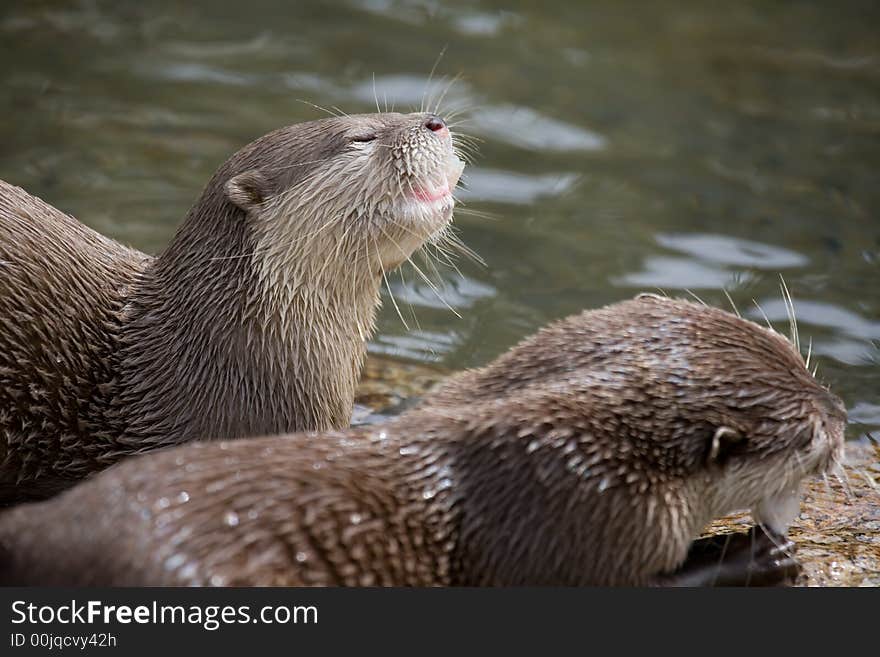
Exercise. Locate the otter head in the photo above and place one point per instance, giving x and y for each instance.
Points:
(270, 288)
(615, 436)
(773, 423)
(346, 195)
(738, 411)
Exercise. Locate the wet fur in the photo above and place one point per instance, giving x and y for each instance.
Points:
(588, 454)
(252, 321)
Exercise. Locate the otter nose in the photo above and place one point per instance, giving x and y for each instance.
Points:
(435, 124)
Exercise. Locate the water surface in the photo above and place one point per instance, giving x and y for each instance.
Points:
(626, 146)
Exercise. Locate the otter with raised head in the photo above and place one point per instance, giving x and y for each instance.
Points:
(592, 453)
(252, 321)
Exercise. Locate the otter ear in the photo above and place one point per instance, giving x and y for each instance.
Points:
(722, 444)
(247, 190)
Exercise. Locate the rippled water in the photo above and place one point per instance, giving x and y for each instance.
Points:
(626, 146)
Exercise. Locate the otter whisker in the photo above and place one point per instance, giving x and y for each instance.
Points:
(732, 304)
(422, 106)
(429, 264)
(696, 297)
(480, 214)
(766, 319)
(390, 292)
(461, 139)
(789, 308)
(465, 138)
(444, 247)
(468, 157)
(461, 114)
(780, 544)
(721, 559)
(412, 310)
(842, 476)
(465, 143)
(421, 274)
(455, 243)
(375, 95)
(439, 102)
(868, 478)
(445, 258)
(323, 109)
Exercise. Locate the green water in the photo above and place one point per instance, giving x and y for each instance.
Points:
(626, 146)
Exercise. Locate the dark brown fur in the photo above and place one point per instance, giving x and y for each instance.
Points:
(588, 454)
(253, 320)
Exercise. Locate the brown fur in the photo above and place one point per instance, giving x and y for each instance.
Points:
(585, 455)
(252, 321)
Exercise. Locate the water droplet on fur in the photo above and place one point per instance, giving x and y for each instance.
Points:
(231, 518)
(355, 518)
(163, 502)
(188, 571)
(301, 557)
(182, 497)
(174, 562)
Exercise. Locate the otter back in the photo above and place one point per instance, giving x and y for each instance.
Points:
(62, 286)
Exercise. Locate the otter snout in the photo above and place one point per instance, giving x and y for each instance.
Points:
(778, 510)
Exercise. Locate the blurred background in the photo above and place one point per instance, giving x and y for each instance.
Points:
(626, 146)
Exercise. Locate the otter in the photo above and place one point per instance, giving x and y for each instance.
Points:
(252, 321)
(592, 453)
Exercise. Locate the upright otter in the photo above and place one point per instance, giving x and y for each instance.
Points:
(592, 453)
(252, 321)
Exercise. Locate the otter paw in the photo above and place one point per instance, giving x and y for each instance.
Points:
(754, 558)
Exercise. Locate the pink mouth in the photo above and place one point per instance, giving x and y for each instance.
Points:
(426, 196)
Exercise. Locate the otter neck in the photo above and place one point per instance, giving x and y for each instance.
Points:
(213, 348)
